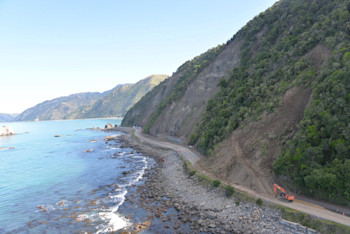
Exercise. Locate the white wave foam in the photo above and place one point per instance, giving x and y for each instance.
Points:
(115, 222)
(141, 172)
(108, 148)
(63, 203)
(119, 198)
(82, 217)
(45, 208)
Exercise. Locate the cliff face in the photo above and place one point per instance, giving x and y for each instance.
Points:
(178, 117)
(142, 111)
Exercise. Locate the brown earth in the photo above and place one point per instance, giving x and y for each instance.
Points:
(246, 157)
(319, 55)
(179, 119)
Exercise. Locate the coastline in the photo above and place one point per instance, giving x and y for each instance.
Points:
(170, 201)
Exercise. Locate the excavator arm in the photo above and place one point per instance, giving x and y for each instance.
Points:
(283, 193)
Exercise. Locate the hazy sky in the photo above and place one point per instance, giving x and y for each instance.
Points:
(52, 48)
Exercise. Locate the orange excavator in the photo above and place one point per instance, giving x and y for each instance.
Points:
(283, 193)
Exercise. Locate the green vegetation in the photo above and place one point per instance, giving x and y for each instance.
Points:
(216, 183)
(204, 178)
(229, 190)
(142, 106)
(133, 134)
(259, 202)
(321, 225)
(276, 55)
(192, 173)
(188, 167)
(318, 158)
(237, 202)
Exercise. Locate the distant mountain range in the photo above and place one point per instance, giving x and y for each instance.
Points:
(58, 108)
(120, 99)
(112, 103)
(7, 117)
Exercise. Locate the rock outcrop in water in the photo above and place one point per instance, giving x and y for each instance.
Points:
(6, 131)
(109, 126)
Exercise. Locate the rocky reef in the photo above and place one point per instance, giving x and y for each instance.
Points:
(6, 131)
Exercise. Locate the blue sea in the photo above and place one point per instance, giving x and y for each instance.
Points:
(72, 183)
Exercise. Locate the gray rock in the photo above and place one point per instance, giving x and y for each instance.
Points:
(6, 131)
(109, 126)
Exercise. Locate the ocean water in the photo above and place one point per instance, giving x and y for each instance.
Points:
(65, 184)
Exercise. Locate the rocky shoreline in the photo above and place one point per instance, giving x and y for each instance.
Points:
(173, 202)
(6, 131)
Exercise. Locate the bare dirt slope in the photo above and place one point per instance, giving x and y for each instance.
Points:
(179, 118)
(246, 157)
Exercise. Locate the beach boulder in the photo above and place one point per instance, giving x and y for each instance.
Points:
(109, 125)
(111, 138)
(6, 131)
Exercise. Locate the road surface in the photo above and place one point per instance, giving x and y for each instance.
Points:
(301, 205)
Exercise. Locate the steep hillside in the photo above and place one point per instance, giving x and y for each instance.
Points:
(304, 45)
(58, 108)
(173, 107)
(120, 99)
(275, 98)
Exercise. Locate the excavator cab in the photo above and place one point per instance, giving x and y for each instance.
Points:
(283, 193)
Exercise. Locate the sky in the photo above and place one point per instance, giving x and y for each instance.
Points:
(53, 48)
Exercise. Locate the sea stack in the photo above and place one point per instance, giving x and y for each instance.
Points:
(6, 131)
